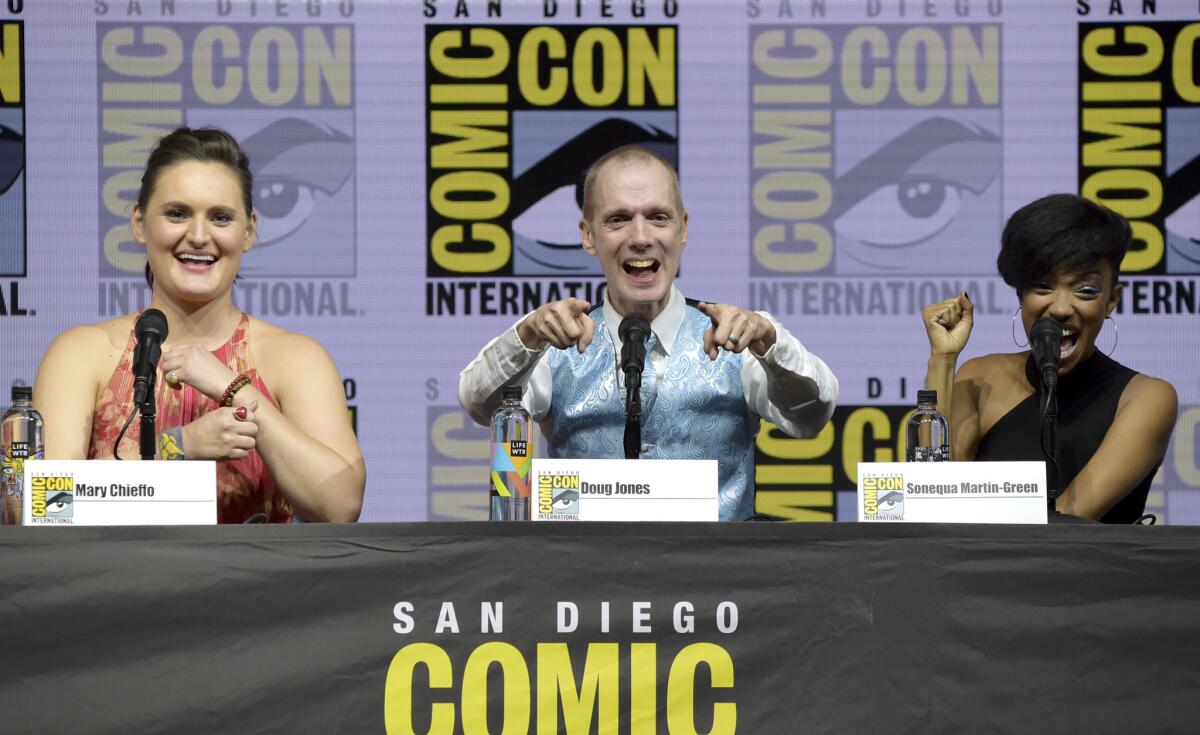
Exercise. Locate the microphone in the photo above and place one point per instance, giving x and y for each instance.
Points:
(633, 331)
(1046, 338)
(150, 332)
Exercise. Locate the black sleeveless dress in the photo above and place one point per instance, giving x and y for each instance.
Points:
(1087, 403)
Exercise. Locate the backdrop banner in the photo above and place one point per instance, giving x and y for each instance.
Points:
(631, 628)
(418, 174)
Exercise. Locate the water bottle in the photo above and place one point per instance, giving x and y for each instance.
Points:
(512, 453)
(928, 432)
(21, 438)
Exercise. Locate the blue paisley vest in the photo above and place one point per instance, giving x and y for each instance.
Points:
(697, 411)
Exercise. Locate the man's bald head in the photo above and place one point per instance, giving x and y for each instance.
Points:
(626, 155)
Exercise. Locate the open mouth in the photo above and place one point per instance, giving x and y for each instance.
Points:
(641, 270)
(1070, 340)
(199, 262)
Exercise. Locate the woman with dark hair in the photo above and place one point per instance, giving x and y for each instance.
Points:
(266, 404)
(1062, 254)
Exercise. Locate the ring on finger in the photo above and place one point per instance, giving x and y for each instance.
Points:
(240, 413)
(173, 379)
(733, 340)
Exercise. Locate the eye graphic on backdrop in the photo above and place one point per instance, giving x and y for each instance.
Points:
(286, 205)
(12, 157)
(910, 191)
(1183, 228)
(545, 223)
(547, 197)
(925, 207)
(295, 163)
(1181, 205)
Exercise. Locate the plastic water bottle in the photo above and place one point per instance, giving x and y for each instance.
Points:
(512, 452)
(22, 437)
(928, 432)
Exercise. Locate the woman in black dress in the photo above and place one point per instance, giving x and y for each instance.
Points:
(1062, 254)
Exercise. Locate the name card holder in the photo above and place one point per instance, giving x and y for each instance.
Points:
(624, 490)
(108, 492)
(952, 492)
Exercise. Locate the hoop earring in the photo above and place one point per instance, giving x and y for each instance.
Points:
(1016, 314)
(1116, 334)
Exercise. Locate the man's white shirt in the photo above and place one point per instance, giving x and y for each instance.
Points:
(788, 386)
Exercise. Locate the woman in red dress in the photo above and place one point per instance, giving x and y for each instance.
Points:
(265, 403)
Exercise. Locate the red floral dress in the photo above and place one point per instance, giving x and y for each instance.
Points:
(244, 486)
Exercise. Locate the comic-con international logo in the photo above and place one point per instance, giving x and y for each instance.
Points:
(875, 149)
(558, 495)
(1139, 145)
(284, 91)
(52, 499)
(883, 497)
(516, 116)
(12, 151)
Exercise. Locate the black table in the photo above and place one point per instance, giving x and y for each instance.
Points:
(840, 628)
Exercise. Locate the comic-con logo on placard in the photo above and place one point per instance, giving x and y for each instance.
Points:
(516, 116)
(52, 499)
(558, 495)
(1139, 140)
(883, 497)
(286, 93)
(13, 249)
(875, 150)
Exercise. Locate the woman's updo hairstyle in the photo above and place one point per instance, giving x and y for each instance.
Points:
(206, 145)
(1060, 233)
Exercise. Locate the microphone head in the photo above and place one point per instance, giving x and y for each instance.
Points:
(1046, 336)
(152, 321)
(634, 327)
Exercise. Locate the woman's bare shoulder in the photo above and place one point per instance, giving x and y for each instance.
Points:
(1155, 394)
(83, 358)
(276, 340)
(998, 366)
(95, 339)
(998, 383)
(280, 353)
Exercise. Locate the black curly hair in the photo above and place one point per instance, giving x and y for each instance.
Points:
(1060, 233)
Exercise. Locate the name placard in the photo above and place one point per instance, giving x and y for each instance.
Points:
(624, 490)
(108, 492)
(952, 492)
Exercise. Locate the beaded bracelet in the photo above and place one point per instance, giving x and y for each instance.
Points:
(241, 381)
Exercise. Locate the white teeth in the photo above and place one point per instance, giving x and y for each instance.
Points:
(196, 257)
(639, 263)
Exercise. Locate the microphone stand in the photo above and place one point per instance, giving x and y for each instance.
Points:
(1049, 438)
(633, 413)
(148, 436)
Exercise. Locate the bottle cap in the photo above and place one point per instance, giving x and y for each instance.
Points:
(22, 391)
(511, 392)
(926, 396)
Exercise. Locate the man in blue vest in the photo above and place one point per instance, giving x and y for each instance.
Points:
(712, 369)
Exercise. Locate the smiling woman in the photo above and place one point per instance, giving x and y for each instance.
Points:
(1062, 254)
(265, 403)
